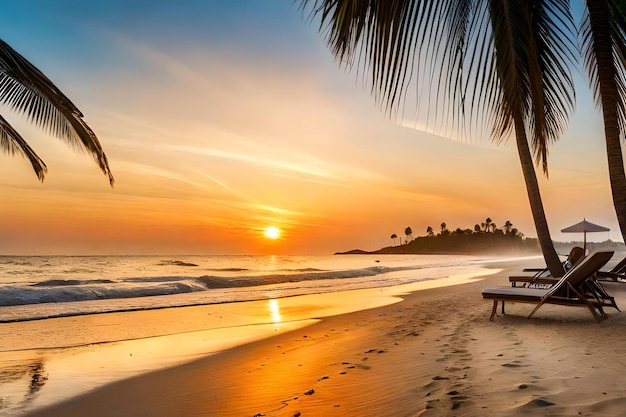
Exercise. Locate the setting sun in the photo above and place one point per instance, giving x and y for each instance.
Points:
(272, 232)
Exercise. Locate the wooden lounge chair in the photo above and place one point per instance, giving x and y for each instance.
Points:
(575, 256)
(576, 288)
(616, 274)
(542, 277)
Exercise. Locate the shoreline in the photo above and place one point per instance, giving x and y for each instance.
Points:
(435, 353)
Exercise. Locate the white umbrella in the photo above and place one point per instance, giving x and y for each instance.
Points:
(584, 227)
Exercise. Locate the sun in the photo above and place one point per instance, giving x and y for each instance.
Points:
(272, 232)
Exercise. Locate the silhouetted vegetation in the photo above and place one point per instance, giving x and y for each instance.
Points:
(483, 238)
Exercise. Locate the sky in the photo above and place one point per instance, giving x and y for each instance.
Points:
(221, 119)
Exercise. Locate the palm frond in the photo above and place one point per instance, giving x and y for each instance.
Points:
(383, 36)
(13, 143)
(552, 51)
(486, 59)
(604, 46)
(27, 90)
(533, 47)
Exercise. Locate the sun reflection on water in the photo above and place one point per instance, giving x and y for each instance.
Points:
(275, 310)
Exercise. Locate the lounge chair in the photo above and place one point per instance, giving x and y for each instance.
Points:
(576, 288)
(542, 276)
(575, 256)
(616, 274)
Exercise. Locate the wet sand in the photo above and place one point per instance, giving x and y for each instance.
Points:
(433, 354)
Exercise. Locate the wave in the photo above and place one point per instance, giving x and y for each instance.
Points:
(228, 269)
(176, 263)
(70, 297)
(213, 282)
(68, 290)
(63, 282)
(304, 270)
(14, 295)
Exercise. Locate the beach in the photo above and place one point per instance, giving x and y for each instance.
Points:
(434, 353)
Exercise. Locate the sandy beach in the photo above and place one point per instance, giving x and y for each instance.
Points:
(433, 354)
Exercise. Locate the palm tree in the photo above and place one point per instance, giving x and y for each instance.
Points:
(429, 231)
(394, 237)
(27, 90)
(487, 224)
(501, 63)
(507, 227)
(408, 232)
(603, 31)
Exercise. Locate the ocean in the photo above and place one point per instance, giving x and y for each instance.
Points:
(39, 287)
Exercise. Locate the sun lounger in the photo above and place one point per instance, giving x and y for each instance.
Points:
(576, 288)
(542, 275)
(575, 256)
(616, 274)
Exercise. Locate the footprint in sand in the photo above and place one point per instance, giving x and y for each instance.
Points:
(514, 364)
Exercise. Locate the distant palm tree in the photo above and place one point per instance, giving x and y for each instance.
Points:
(25, 89)
(429, 231)
(443, 227)
(477, 228)
(504, 63)
(488, 224)
(408, 232)
(394, 237)
(507, 227)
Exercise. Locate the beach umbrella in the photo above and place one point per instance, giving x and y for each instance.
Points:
(585, 227)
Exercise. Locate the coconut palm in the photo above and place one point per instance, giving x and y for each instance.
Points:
(488, 224)
(429, 231)
(507, 227)
(408, 232)
(504, 63)
(603, 33)
(394, 237)
(25, 89)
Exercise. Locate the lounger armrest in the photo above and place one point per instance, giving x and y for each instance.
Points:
(607, 274)
(534, 269)
(533, 280)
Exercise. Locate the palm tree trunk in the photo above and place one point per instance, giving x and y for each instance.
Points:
(598, 15)
(536, 206)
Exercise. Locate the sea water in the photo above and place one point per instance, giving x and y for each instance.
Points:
(38, 287)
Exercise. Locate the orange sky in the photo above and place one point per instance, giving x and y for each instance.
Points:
(215, 132)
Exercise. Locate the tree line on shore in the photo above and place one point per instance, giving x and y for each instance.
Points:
(483, 237)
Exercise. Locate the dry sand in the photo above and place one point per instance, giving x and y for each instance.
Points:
(434, 354)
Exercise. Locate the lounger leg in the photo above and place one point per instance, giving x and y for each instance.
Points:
(598, 317)
(494, 310)
(592, 308)
(596, 286)
(503, 313)
(537, 308)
